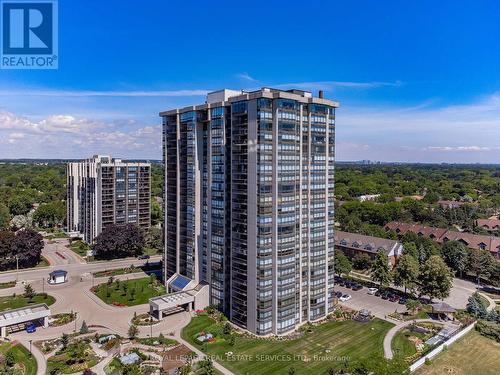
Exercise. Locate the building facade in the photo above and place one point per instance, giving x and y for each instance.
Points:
(102, 191)
(249, 204)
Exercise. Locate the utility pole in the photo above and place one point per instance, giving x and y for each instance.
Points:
(17, 268)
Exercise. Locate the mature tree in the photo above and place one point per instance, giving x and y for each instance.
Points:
(380, 269)
(480, 263)
(362, 261)
(342, 264)
(50, 214)
(436, 278)
(476, 307)
(411, 249)
(4, 217)
(412, 305)
(27, 246)
(7, 260)
(154, 238)
(84, 329)
(456, 255)
(156, 212)
(406, 272)
(119, 242)
(20, 204)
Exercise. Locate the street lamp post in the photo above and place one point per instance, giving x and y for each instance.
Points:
(76, 318)
(30, 347)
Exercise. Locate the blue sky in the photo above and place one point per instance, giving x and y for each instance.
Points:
(417, 81)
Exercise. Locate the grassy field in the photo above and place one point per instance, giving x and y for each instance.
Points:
(130, 292)
(10, 302)
(328, 345)
(21, 357)
(473, 354)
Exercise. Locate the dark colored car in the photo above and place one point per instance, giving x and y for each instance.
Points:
(348, 284)
(30, 328)
(357, 287)
(143, 257)
(402, 300)
(386, 295)
(394, 298)
(379, 293)
(338, 294)
(341, 282)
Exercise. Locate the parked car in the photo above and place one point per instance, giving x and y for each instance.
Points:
(394, 298)
(144, 256)
(341, 282)
(386, 295)
(348, 284)
(403, 300)
(338, 294)
(372, 291)
(31, 328)
(357, 287)
(345, 297)
(379, 293)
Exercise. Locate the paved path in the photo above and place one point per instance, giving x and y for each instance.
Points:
(400, 325)
(492, 304)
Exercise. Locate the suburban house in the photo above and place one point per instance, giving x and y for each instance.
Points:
(451, 204)
(441, 235)
(352, 243)
(489, 224)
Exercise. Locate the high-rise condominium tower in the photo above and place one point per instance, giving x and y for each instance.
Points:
(103, 191)
(249, 204)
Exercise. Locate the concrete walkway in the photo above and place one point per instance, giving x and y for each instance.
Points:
(491, 304)
(392, 332)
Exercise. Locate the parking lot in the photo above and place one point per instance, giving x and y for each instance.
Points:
(362, 300)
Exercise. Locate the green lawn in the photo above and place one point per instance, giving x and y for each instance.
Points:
(79, 247)
(21, 356)
(122, 292)
(10, 302)
(401, 344)
(471, 355)
(43, 262)
(331, 344)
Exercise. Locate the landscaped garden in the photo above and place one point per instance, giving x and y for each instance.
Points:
(409, 342)
(73, 357)
(17, 301)
(472, 354)
(335, 344)
(61, 319)
(129, 292)
(9, 284)
(16, 360)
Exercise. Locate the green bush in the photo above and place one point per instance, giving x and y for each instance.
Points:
(489, 329)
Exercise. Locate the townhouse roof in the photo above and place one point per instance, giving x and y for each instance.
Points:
(365, 243)
(489, 223)
(441, 235)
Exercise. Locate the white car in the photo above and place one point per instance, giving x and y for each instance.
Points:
(345, 298)
(372, 290)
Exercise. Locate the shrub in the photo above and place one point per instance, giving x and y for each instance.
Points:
(489, 329)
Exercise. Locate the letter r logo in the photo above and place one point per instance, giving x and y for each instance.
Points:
(27, 28)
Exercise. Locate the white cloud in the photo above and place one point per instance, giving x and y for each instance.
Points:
(332, 85)
(452, 133)
(63, 136)
(246, 77)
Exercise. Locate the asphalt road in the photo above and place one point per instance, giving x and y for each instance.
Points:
(72, 263)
